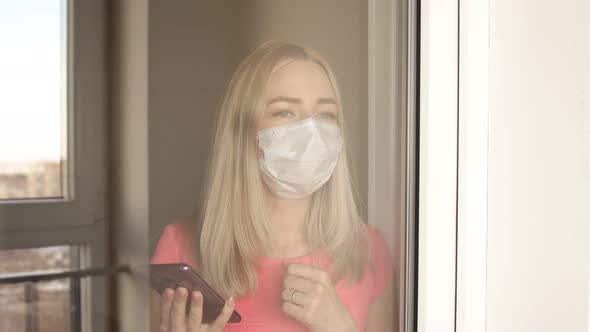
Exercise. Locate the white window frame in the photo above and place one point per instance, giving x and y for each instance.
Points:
(453, 165)
(437, 190)
(80, 219)
(473, 166)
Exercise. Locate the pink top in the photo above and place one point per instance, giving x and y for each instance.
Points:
(262, 311)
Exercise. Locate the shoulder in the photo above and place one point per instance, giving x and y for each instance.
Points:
(180, 230)
(173, 233)
(176, 244)
(381, 261)
(376, 242)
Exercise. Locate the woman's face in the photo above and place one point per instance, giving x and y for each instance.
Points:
(296, 91)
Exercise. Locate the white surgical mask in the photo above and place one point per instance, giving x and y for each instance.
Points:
(299, 157)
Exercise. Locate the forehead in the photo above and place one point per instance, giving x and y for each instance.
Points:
(299, 78)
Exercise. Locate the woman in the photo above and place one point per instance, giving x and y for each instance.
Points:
(280, 229)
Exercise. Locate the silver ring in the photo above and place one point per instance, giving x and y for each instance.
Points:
(293, 296)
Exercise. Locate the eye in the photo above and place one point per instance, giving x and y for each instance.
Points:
(282, 114)
(327, 116)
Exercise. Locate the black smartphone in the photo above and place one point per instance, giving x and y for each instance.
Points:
(162, 276)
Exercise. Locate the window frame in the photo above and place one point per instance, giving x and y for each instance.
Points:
(85, 170)
(80, 219)
(392, 144)
(472, 213)
(453, 165)
(438, 173)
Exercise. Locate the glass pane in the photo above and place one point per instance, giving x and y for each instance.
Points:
(42, 306)
(33, 48)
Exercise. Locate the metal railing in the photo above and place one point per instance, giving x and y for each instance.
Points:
(31, 294)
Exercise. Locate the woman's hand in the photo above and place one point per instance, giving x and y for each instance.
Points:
(309, 296)
(173, 312)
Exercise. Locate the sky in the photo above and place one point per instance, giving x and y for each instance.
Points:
(31, 72)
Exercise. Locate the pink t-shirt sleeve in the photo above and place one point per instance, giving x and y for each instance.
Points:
(167, 250)
(382, 262)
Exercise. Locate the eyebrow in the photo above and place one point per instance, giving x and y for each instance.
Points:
(326, 101)
(299, 101)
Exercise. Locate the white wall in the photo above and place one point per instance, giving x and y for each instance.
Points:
(539, 166)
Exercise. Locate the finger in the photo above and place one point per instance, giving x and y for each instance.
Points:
(196, 312)
(294, 311)
(308, 272)
(299, 283)
(224, 316)
(178, 311)
(295, 297)
(165, 305)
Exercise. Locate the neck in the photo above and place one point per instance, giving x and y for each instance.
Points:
(287, 217)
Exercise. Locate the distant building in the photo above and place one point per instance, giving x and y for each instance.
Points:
(39, 180)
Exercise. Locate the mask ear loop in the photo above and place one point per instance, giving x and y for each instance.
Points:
(258, 148)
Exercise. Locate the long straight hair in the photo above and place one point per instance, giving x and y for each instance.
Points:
(235, 227)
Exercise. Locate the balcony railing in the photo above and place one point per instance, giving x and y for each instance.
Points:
(30, 281)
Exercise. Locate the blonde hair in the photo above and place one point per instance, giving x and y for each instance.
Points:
(235, 228)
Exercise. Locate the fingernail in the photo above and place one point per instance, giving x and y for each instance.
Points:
(168, 293)
(180, 292)
(230, 301)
